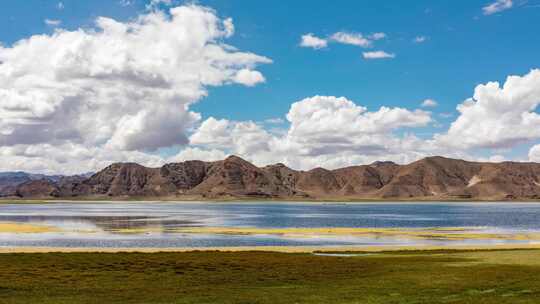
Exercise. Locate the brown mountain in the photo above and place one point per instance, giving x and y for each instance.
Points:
(431, 178)
(237, 177)
(38, 188)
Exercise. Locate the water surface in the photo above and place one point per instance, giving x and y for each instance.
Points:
(155, 225)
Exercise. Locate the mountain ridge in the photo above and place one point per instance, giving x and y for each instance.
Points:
(430, 178)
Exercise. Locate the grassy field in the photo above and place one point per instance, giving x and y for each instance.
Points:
(265, 277)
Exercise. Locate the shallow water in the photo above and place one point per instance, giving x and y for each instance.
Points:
(120, 224)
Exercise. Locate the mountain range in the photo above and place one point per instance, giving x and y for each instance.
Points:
(432, 178)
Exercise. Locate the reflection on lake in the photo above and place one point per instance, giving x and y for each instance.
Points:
(181, 224)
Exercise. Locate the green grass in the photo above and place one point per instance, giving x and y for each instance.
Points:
(264, 277)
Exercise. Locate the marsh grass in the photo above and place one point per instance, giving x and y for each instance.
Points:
(265, 277)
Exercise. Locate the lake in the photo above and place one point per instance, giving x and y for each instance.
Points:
(192, 224)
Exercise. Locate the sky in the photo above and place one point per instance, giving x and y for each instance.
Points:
(306, 83)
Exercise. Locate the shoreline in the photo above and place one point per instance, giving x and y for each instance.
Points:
(4, 201)
(279, 249)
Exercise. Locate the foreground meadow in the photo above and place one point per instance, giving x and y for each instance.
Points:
(509, 276)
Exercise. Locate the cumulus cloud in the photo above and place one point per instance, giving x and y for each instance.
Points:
(429, 103)
(534, 153)
(497, 6)
(198, 154)
(123, 87)
(334, 132)
(75, 101)
(248, 77)
(324, 131)
(327, 115)
(244, 137)
(68, 158)
(213, 132)
(312, 41)
(76, 159)
(378, 55)
(229, 27)
(498, 117)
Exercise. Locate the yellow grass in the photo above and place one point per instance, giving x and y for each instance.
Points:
(25, 228)
(444, 233)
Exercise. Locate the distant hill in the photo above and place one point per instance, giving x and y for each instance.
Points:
(11, 182)
(431, 178)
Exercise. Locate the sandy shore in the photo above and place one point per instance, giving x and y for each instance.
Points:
(285, 249)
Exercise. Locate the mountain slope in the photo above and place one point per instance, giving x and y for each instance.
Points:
(237, 177)
(11, 181)
(431, 178)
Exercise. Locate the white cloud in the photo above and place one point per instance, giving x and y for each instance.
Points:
(121, 87)
(377, 36)
(534, 154)
(357, 39)
(248, 77)
(429, 103)
(68, 158)
(229, 27)
(328, 115)
(333, 131)
(74, 101)
(497, 6)
(52, 22)
(324, 131)
(377, 55)
(197, 154)
(245, 137)
(496, 116)
(60, 5)
(213, 132)
(312, 41)
(419, 39)
(276, 120)
(351, 38)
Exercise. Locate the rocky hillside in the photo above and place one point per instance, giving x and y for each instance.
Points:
(431, 178)
(9, 181)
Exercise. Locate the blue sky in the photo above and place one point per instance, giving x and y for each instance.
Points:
(462, 48)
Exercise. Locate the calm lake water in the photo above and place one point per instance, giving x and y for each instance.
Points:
(156, 224)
